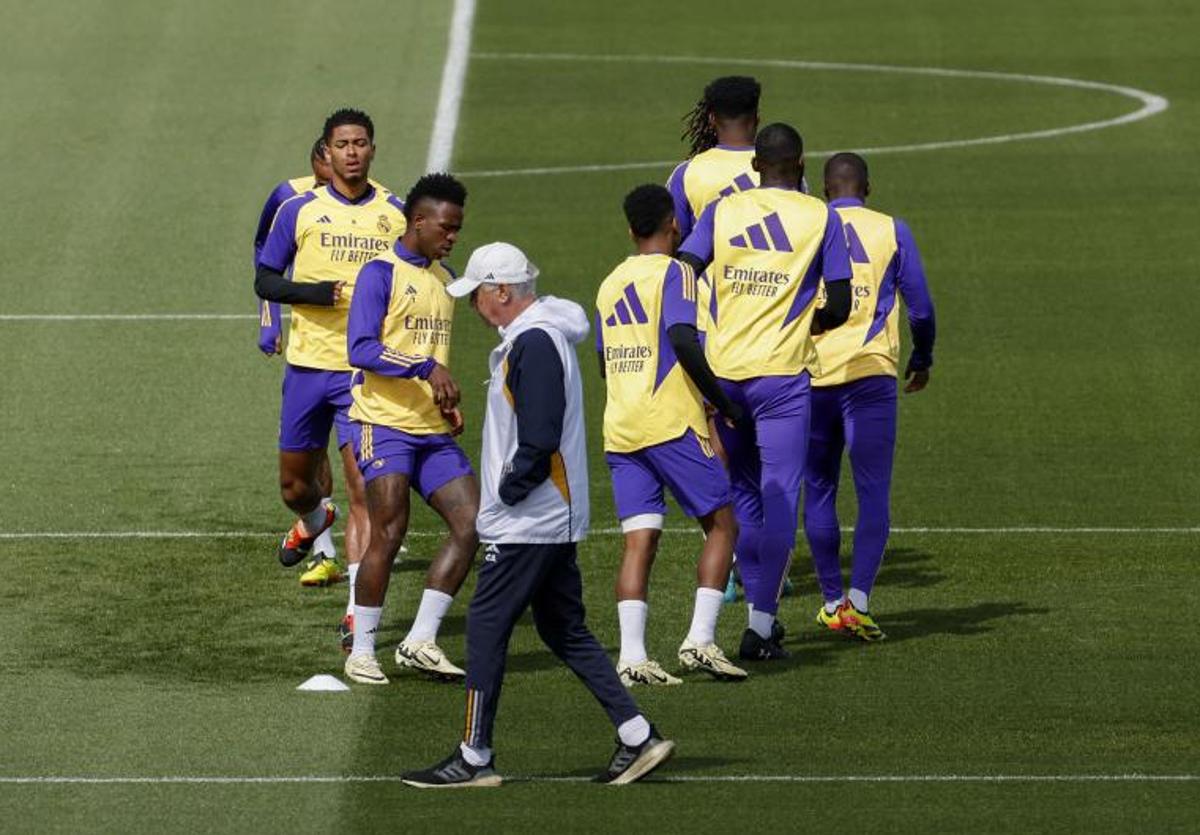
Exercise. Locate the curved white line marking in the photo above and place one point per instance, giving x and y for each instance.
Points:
(1151, 103)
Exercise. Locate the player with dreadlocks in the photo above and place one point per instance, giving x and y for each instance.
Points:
(720, 130)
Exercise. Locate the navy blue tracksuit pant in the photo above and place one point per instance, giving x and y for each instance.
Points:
(546, 578)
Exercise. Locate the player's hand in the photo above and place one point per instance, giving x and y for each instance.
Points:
(445, 390)
(735, 418)
(917, 380)
(270, 343)
(338, 290)
(455, 418)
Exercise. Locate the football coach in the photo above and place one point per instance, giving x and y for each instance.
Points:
(533, 512)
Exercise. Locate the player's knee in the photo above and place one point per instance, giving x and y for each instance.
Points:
(464, 535)
(388, 534)
(298, 493)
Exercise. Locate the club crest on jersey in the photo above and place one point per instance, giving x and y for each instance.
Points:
(754, 238)
(628, 310)
(384, 225)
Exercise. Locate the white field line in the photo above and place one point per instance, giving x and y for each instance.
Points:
(1151, 103)
(696, 778)
(126, 317)
(454, 77)
(1003, 531)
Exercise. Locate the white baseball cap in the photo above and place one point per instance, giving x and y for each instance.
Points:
(494, 263)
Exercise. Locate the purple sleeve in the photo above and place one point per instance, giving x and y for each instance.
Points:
(278, 195)
(599, 334)
(269, 327)
(699, 243)
(683, 208)
(678, 299)
(396, 201)
(368, 307)
(280, 247)
(835, 251)
(910, 278)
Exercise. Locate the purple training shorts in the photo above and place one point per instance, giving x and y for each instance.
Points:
(686, 465)
(314, 401)
(429, 461)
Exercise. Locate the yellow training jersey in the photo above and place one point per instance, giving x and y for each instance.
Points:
(399, 327)
(767, 250)
(717, 172)
(324, 236)
(886, 265)
(708, 176)
(651, 399)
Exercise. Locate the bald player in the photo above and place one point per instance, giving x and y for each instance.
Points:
(854, 395)
(767, 250)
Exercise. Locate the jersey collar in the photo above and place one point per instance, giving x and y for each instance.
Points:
(409, 257)
(844, 202)
(341, 198)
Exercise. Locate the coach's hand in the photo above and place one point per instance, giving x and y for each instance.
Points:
(917, 380)
(445, 390)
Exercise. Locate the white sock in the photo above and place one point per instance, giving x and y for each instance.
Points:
(761, 623)
(314, 519)
(475, 756)
(366, 624)
(632, 615)
(831, 606)
(324, 544)
(859, 600)
(704, 616)
(434, 605)
(634, 731)
(352, 572)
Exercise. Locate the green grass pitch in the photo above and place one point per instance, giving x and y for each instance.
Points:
(142, 138)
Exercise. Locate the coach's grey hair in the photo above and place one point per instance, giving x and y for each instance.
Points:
(525, 289)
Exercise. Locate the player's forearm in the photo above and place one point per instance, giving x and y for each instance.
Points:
(369, 354)
(271, 285)
(685, 341)
(837, 306)
(924, 331)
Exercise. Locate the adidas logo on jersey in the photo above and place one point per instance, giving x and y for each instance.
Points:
(740, 183)
(324, 219)
(410, 290)
(628, 310)
(754, 237)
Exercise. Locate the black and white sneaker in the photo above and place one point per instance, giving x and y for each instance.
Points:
(756, 648)
(454, 772)
(633, 762)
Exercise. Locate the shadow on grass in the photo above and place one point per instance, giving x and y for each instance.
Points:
(674, 765)
(816, 647)
(905, 568)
